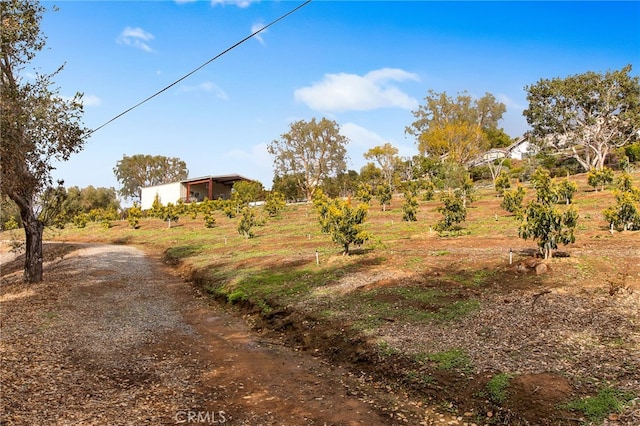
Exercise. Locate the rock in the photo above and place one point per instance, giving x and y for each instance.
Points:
(541, 268)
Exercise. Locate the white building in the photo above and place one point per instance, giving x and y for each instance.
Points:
(190, 190)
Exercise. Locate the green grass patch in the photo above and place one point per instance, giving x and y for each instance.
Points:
(416, 304)
(497, 387)
(451, 360)
(597, 408)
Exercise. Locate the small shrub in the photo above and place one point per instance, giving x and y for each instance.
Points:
(10, 224)
(80, 220)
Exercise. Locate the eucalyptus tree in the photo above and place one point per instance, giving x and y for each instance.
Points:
(591, 113)
(457, 129)
(140, 170)
(311, 151)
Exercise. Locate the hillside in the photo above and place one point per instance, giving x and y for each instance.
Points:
(449, 319)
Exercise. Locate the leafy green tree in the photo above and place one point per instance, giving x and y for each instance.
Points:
(384, 195)
(542, 221)
(321, 203)
(8, 211)
(342, 221)
(310, 152)
(245, 192)
(512, 201)
(453, 212)
(566, 189)
(342, 185)
(502, 182)
(632, 151)
(89, 198)
(455, 128)
(467, 191)
(134, 214)
(428, 188)
(37, 125)
(498, 138)
(274, 203)
(625, 214)
(599, 178)
(410, 205)
(170, 213)
(546, 190)
(194, 208)
(208, 209)
(80, 220)
(371, 175)
(386, 156)
(287, 186)
(247, 222)
(591, 113)
(364, 192)
(107, 216)
(156, 210)
(138, 171)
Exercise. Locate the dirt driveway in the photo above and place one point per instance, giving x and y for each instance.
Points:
(111, 337)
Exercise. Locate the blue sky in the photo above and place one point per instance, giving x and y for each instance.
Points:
(366, 65)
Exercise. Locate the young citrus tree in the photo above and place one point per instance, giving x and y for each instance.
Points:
(512, 201)
(453, 212)
(625, 213)
(410, 205)
(342, 221)
(384, 195)
(542, 221)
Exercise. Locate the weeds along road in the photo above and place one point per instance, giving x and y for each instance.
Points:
(111, 337)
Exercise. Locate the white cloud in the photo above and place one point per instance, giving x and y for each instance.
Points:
(349, 92)
(135, 37)
(240, 3)
(258, 27)
(91, 101)
(205, 87)
(361, 137)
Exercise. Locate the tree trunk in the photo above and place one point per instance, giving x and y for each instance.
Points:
(33, 230)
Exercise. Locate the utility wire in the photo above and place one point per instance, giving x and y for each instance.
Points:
(201, 66)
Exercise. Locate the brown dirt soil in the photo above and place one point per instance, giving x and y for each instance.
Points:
(111, 337)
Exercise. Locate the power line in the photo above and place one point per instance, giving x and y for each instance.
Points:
(201, 66)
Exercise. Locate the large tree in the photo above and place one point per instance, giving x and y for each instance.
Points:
(141, 170)
(589, 113)
(459, 128)
(311, 152)
(38, 125)
(386, 156)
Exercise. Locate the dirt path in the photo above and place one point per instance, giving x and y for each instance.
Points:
(110, 337)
